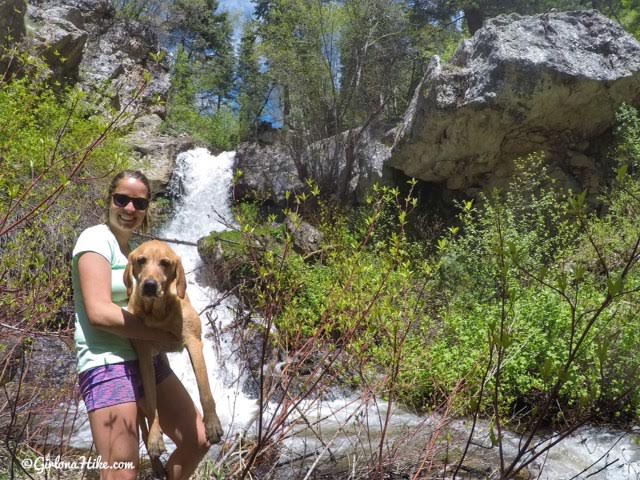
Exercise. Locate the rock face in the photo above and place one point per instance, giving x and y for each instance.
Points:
(85, 43)
(156, 153)
(269, 171)
(118, 56)
(59, 38)
(12, 26)
(549, 83)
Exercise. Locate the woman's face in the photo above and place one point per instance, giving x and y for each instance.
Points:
(127, 217)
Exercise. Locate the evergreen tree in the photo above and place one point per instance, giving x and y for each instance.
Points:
(253, 84)
(203, 75)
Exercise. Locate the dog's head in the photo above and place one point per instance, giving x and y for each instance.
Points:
(155, 269)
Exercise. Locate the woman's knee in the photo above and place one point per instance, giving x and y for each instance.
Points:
(123, 464)
(198, 443)
(115, 433)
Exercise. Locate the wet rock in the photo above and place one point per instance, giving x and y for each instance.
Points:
(548, 83)
(265, 173)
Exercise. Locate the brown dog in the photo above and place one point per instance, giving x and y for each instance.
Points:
(156, 286)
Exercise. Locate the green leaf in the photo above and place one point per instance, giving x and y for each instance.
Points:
(614, 286)
(492, 435)
(621, 172)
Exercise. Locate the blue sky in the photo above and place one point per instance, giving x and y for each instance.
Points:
(239, 12)
(243, 7)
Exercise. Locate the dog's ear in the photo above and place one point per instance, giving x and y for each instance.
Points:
(181, 280)
(128, 276)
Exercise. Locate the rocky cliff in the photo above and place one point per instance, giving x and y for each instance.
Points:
(549, 83)
(85, 43)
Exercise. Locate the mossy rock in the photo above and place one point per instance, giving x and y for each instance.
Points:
(231, 257)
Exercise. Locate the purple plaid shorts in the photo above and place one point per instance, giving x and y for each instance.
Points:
(109, 385)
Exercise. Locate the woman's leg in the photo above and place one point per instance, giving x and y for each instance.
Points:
(115, 434)
(182, 422)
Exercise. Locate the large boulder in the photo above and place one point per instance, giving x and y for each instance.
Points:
(351, 161)
(548, 83)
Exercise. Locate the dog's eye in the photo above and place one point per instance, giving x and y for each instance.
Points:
(141, 261)
(165, 263)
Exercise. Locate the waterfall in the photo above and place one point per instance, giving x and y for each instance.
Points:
(203, 181)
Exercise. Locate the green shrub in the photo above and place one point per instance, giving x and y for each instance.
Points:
(50, 159)
(533, 296)
(525, 312)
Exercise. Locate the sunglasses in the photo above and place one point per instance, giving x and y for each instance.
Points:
(120, 200)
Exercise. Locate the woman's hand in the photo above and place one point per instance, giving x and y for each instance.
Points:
(95, 283)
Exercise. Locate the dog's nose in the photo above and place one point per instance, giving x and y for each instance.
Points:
(150, 288)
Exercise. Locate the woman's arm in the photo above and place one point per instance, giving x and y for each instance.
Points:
(95, 282)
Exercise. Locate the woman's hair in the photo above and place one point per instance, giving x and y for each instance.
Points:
(138, 175)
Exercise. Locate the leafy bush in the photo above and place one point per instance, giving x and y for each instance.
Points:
(525, 312)
(541, 282)
(53, 144)
(361, 293)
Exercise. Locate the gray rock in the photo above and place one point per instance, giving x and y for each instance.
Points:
(267, 172)
(328, 159)
(98, 14)
(116, 60)
(84, 42)
(104, 54)
(156, 153)
(548, 82)
(58, 39)
(12, 26)
(307, 239)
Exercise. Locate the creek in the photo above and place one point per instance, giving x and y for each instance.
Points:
(346, 429)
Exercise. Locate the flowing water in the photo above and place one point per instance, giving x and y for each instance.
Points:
(203, 181)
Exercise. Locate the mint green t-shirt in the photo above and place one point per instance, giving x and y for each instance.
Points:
(96, 347)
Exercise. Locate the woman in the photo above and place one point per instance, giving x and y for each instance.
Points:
(109, 378)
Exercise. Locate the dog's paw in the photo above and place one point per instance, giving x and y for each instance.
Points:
(155, 446)
(213, 429)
